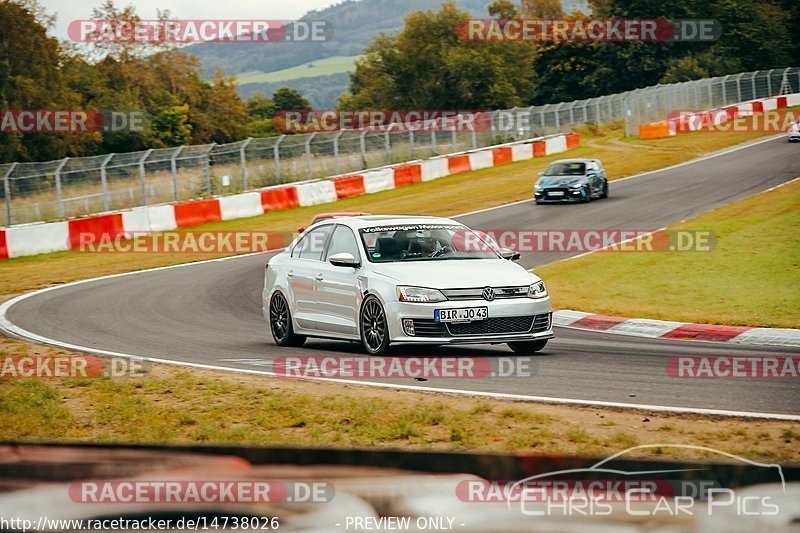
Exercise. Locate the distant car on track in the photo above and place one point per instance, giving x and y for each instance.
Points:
(572, 180)
(387, 280)
(326, 216)
(794, 132)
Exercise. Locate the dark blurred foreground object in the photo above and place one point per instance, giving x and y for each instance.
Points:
(40, 480)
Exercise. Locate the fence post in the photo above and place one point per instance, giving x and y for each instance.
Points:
(7, 191)
(558, 118)
(769, 82)
(411, 142)
(276, 155)
(434, 149)
(308, 154)
(173, 168)
(104, 183)
(336, 151)
(243, 161)
(207, 169)
(362, 143)
(59, 199)
(753, 84)
(387, 146)
(725, 90)
(544, 118)
(474, 139)
(142, 175)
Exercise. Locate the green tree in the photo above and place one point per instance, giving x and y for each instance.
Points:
(171, 124)
(428, 66)
(260, 107)
(288, 99)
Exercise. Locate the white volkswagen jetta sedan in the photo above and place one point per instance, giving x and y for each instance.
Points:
(387, 280)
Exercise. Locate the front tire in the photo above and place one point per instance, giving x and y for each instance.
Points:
(587, 194)
(605, 190)
(527, 347)
(373, 328)
(280, 323)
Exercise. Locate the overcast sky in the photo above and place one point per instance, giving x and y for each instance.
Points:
(68, 10)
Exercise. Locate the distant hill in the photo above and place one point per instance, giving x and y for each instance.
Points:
(355, 23)
(266, 67)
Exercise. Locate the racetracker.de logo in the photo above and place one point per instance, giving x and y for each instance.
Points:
(202, 492)
(335, 367)
(592, 29)
(70, 121)
(382, 120)
(199, 31)
(70, 367)
(733, 366)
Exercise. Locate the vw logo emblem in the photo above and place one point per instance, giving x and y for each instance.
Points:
(488, 294)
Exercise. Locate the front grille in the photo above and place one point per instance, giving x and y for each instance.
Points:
(476, 293)
(424, 327)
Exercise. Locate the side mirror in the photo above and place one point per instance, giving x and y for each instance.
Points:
(541, 173)
(511, 255)
(344, 259)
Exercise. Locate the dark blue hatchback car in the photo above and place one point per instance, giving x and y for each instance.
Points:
(572, 180)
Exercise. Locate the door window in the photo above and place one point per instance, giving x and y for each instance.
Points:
(343, 241)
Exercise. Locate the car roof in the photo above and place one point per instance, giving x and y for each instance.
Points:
(340, 214)
(389, 220)
(576, 160)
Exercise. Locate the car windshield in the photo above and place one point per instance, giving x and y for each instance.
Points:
(425, 242)
(566, 169)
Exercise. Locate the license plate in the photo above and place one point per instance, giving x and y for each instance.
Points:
(555, 193)
(462, 314)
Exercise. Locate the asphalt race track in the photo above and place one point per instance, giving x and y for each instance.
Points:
(210, 312)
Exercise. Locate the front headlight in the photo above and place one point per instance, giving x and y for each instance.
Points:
(537, 186)
(537, 290)
(419, 295)
(576, 185)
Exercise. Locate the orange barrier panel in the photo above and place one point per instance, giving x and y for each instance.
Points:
(349, 186)
(758, 107)
(94, 229)
(278, 199)
(198, 212)
(502, 156)
(458, 164)
(573, 141)
(539, 149)
(653, 130)
(781, 101)
(407, 174)
(3, 245)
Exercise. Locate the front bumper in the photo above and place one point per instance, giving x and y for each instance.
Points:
(793, 136)
(507, 313)
(569, 194)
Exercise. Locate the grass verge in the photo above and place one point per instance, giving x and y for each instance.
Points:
(750, 278)
(184, 406)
